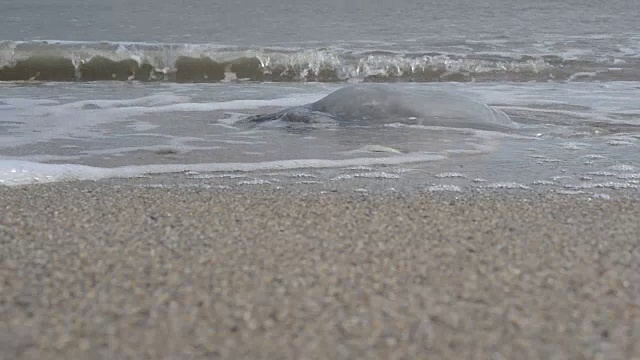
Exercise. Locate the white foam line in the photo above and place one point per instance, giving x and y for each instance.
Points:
(228, 105)
(179, 103)
(444, 187)
(13, 172)
(549, 111)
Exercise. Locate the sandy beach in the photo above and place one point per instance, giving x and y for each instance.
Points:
(95, 271)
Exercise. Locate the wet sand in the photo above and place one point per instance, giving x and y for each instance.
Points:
(95, 271)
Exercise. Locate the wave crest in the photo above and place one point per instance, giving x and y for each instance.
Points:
(80, 61)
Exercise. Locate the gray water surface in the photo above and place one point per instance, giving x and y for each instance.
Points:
(409, 24)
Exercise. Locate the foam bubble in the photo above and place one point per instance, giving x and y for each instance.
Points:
(16, 172)
(308, 182)
(570, 192)
(601, 173)
(444, 187)
(450, 175)
(367, 175)
(594, 157)
(506, 185)
(574, 146)
(255, 182)
(377, 175)
(604, 185)
(342, 177)
(543, 182)
(622, 167)
(361, 168)
(629, 176)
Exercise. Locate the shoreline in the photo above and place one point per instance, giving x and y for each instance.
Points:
(93, 270)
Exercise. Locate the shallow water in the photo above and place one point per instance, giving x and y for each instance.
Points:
(572, 137)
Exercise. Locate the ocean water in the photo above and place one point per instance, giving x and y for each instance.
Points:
(155, 92)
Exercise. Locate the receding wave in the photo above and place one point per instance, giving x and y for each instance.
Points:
(100, 61)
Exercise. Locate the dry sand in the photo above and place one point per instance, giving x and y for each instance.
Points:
(92, 271)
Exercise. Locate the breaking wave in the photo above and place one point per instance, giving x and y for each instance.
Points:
(99, 61)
